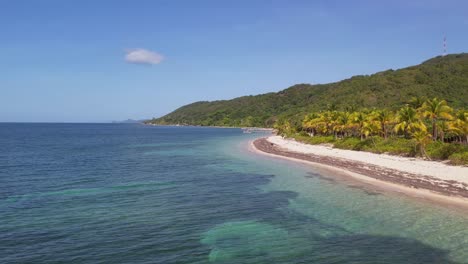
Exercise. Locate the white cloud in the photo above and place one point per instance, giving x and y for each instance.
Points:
(143, 56)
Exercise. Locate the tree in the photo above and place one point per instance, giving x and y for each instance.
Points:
(459, 126)
(385, 118)
(358, 120)
(325, 121)
(283, 127)
(442, 129)
(342, 123)
(435, 110)
(421, 137)
(332, 107)
(370, 127)
(248, 121)
(416, 102)
(309, 123)
(407, 121)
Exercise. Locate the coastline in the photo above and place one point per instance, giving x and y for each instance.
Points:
(443, 190)
(266, 129)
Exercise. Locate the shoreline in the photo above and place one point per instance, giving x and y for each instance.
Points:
(442, 191)
(265, 129)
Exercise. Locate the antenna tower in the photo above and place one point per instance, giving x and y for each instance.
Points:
(445, 46)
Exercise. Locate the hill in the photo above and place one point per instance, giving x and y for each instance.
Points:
(444, 77)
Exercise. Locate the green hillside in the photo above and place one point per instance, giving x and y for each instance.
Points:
(444, 77)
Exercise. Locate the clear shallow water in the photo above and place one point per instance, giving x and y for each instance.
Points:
(90, 193)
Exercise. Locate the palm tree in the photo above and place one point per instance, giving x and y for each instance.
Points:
(421, 138)
(358, 120)
(325, 122)
(385, 118)
(436, 109)
(407, 121)
(416, 102)
(283, 127)
(335, 115)
(370, 127)
(442, 128)
(459, 126)
(309, 124)
(317, 123)
(342, 123)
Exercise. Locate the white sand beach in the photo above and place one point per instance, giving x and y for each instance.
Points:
(434, 169)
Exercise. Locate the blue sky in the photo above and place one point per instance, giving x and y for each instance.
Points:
(97, 61)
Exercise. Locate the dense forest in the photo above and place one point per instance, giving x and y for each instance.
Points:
(442, 77)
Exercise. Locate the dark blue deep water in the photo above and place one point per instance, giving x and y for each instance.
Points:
(128, 193)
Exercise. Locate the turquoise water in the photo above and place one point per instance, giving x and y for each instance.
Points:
(121, 193)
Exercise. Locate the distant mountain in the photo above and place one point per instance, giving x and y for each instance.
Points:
(445, 77)
(129, 121)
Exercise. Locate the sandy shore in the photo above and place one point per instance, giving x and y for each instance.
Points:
(416, 177)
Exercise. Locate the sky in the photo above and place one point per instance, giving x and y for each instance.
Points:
(98, 61)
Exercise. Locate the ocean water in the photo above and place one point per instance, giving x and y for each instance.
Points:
(128, 193)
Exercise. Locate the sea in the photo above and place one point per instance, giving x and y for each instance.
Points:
(131, 193)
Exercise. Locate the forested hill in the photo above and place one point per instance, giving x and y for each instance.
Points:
(443, 77)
